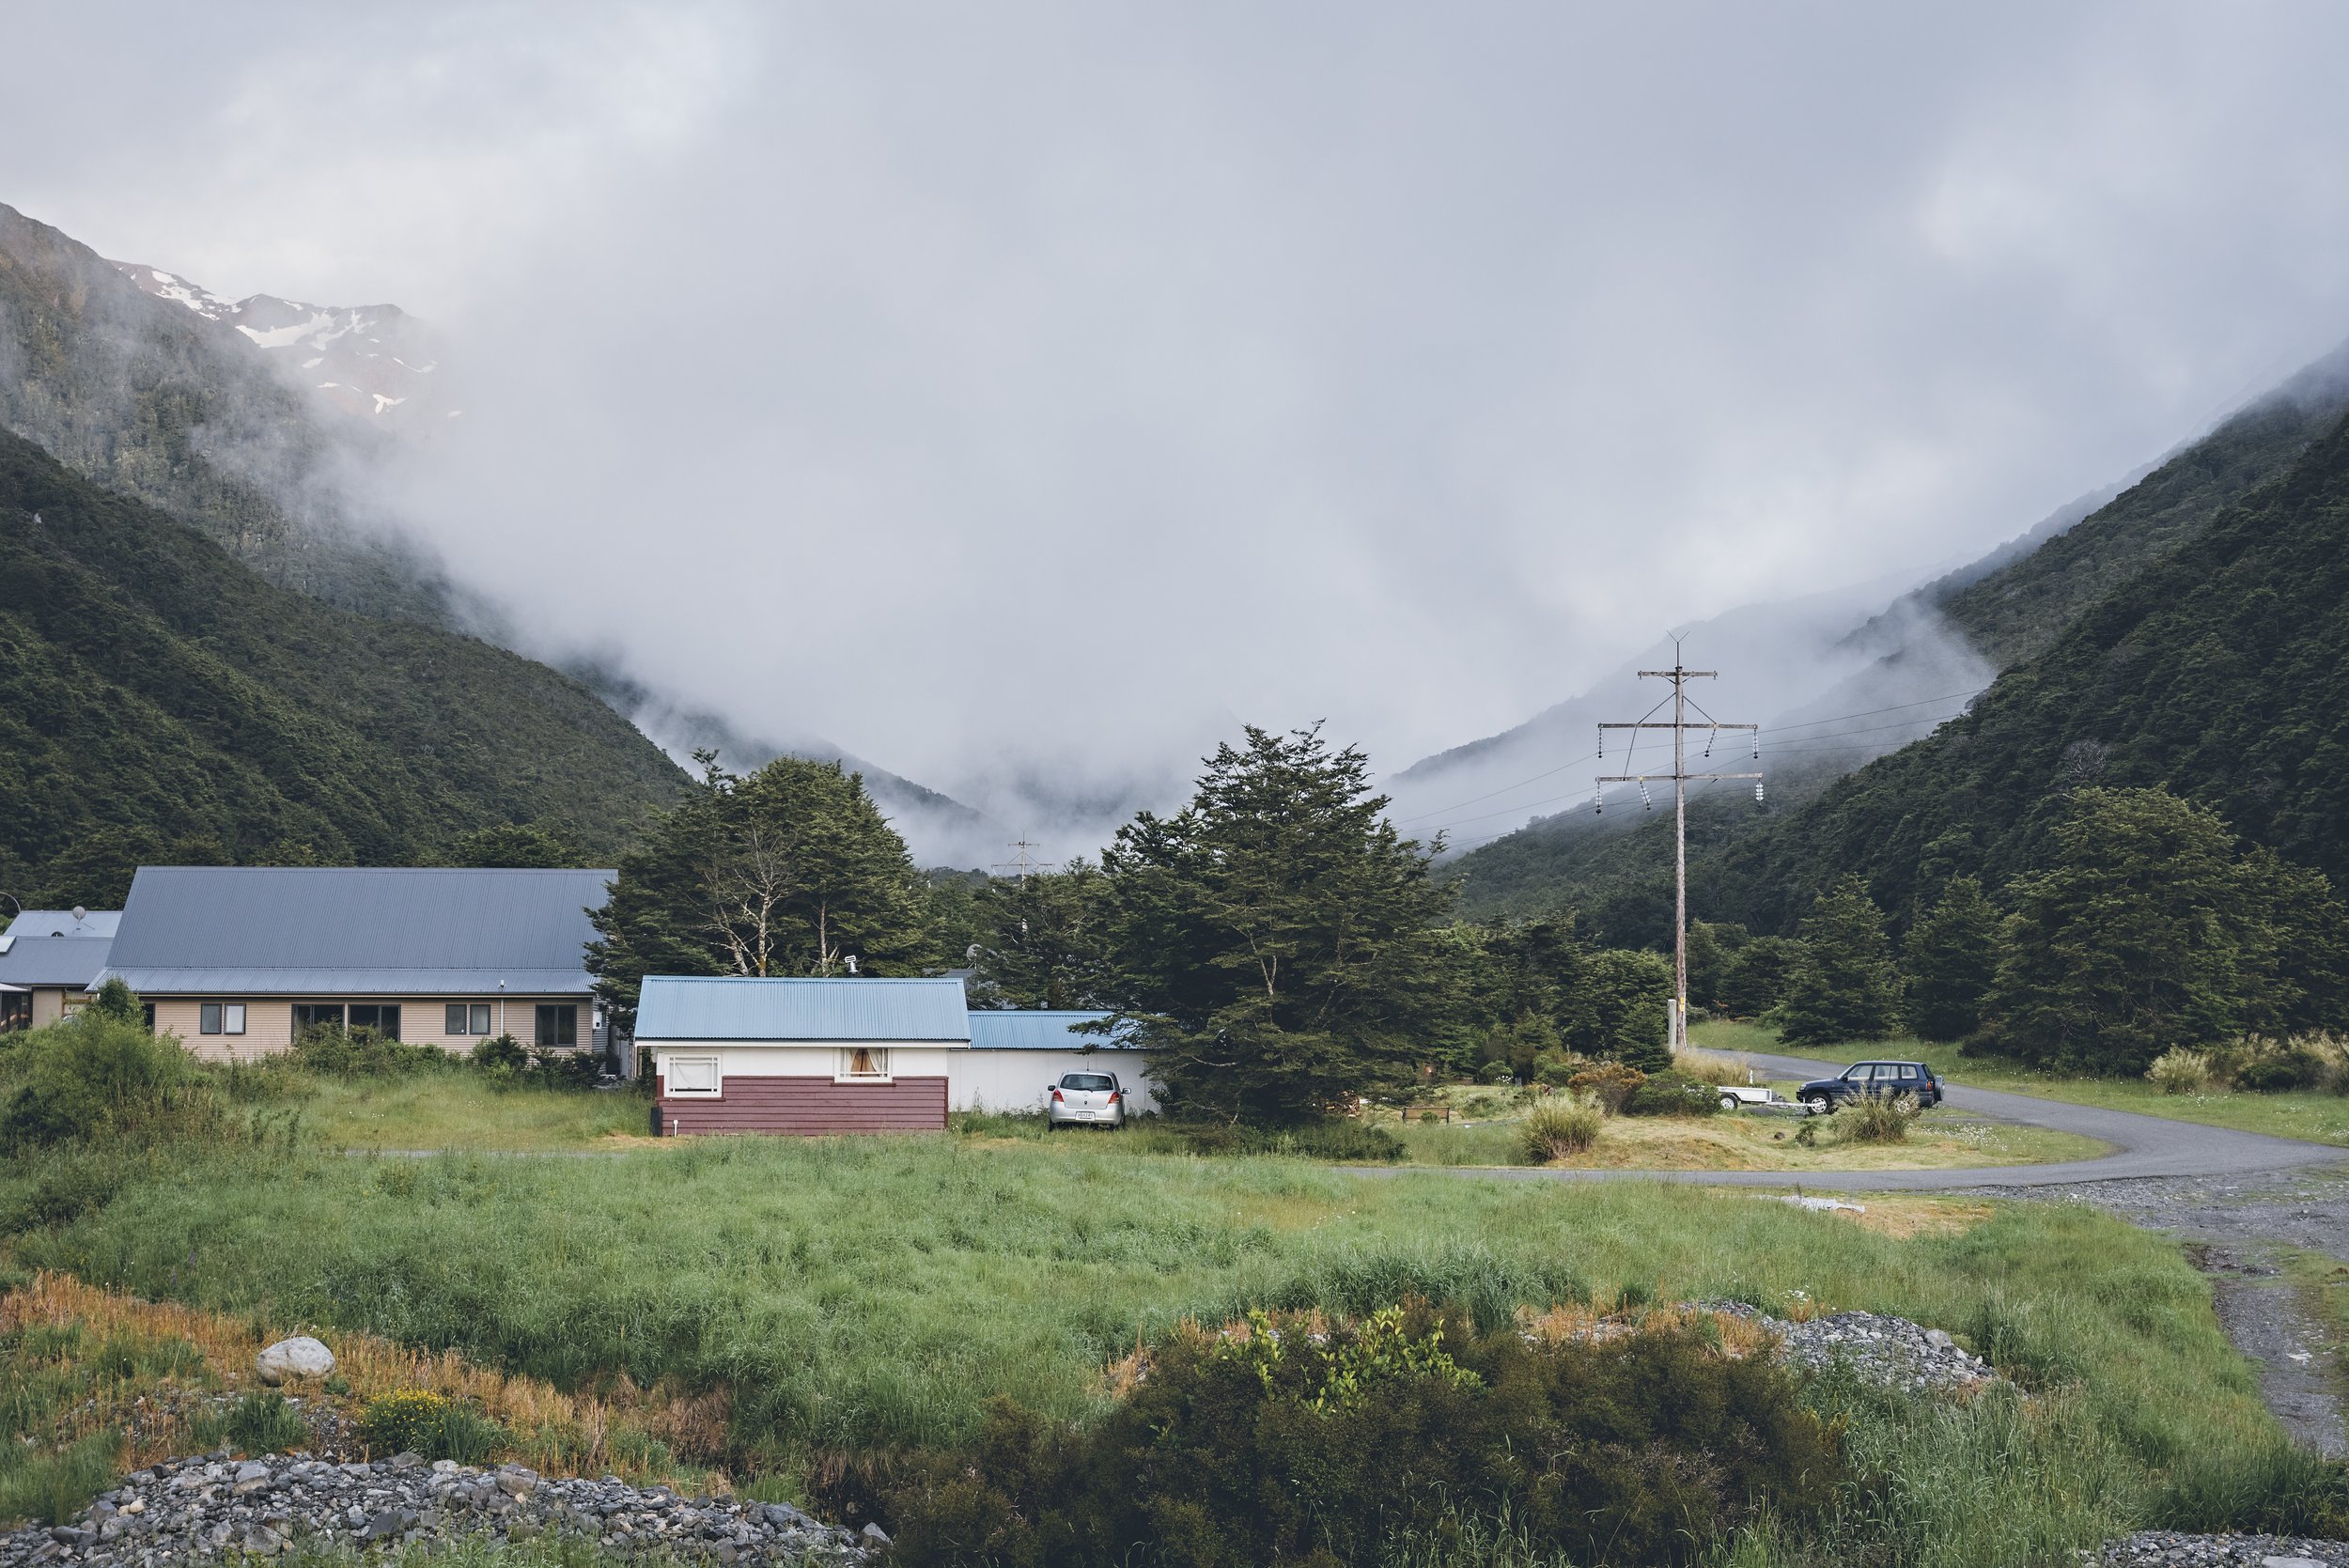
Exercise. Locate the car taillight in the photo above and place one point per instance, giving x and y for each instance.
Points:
(1056, 1099)
(1112, 1096)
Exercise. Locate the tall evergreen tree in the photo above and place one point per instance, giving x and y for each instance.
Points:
(1044, 940)
(1713, 949)
(2150, 929)
(1757, 977)
(1844, 983)
(1952, 958)
(1275, 938)
(791, 871)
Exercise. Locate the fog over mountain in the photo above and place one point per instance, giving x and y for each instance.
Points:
(1023, 397)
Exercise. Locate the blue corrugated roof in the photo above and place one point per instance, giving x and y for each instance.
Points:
(45, 960)
(693, 1007)
(366, 930)
(60, 923)
(1041, 1029)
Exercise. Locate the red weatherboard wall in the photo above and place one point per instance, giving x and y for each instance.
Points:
(809, 1106)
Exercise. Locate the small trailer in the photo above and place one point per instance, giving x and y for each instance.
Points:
(1740, 1096)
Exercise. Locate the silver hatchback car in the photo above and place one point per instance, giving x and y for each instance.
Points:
(1085, 1099)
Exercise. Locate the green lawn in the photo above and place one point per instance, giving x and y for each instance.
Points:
(2318, 1118)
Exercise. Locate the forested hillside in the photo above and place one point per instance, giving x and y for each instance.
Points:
(2012, 613)
(159, 699)
(2214, 673)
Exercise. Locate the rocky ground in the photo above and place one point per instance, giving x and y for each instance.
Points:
(1891, 1351)
(213, 1507)
(2158, 1548)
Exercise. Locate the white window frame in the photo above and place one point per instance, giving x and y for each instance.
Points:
(717, 1077)
(844, 1070)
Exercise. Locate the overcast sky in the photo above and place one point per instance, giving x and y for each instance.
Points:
(1052, 387)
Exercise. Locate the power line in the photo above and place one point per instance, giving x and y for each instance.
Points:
(1775, 750)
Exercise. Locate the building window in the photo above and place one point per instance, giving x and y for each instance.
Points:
(558, 1024)
(220, 1017)
(16, 1011)
(311, 1015)
(865, 1062)
(468, 1017)
(692, 1074)
(383, 1017)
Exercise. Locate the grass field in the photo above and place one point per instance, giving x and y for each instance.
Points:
(2318, 1118)
(851, 1295)
(450, 1109)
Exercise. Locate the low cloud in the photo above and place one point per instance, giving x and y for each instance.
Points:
(1021, 397)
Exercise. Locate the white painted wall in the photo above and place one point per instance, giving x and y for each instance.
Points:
(975, 1079)
(1019, 1079)
(820, 1059)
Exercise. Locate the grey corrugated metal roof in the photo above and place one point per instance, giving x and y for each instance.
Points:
(691, 1007)
(1038, 1029)
(53, 960)
(60, 923)
(366, 930)
(477, 984)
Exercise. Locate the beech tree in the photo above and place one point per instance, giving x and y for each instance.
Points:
(2151, 928)
(791, 871)
(1845, 985)
(1274, 939)
(1044, 940)
(1952, 958)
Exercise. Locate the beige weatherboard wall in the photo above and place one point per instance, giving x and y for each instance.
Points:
(268, 1021)
(200, 943)
(48, 958)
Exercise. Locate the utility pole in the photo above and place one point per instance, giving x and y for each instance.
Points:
(1023, 865)
(1680, 777)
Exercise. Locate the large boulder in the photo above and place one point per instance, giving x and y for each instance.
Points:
(299, 1356)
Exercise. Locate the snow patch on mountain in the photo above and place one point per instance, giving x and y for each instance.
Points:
(375, 357)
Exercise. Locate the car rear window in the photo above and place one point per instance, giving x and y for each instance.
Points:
(1093, 1081)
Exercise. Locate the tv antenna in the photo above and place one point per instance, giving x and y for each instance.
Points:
(1680, 778)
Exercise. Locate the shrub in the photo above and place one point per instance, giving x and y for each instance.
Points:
(334, 1051)
(417, 1421)
(1609, 1083)
(100, 1078)
(2266, 1065)
(1302, 1440)
(2180, 1071)
(1671, 1094)
(1876, 1119)
(1555, 1131)
(504, 1054)
(1499, 1072)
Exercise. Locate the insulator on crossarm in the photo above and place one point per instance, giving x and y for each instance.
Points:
(1709, 736)
(1645, 804)
(1757, 794)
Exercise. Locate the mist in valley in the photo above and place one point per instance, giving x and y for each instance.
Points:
(1017, 403)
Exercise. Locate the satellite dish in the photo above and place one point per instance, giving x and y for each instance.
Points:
(79, 914)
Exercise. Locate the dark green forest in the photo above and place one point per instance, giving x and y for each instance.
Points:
(2090, 663)
(159, 700)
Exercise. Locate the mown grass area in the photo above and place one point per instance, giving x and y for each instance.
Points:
(2312, 1116)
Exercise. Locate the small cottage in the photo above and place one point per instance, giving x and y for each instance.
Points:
(866, 1055)
(47, 960)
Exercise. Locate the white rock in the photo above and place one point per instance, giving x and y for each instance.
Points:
(299, 1356)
